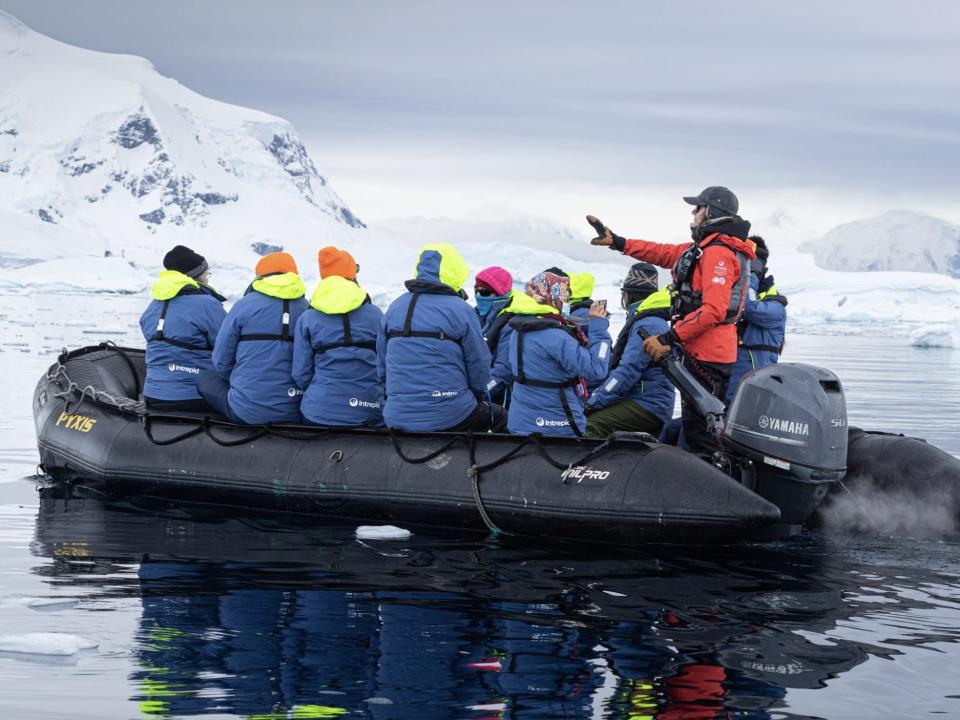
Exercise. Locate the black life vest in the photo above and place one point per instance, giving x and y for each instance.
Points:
(521, 326)
(624, 337)
(158, 335)
(347, 336)
(686, 301)
(496, 330)
(418, 288)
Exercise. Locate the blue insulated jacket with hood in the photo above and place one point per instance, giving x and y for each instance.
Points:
(254, 350)
(335, 356)
(553, 356)
(180, 347)
(632, 376)
(430, 351)
(761, 330)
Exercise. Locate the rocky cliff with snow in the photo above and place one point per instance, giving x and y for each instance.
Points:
(103, 145)
(896, 240)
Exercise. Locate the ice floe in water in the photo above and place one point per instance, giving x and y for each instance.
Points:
(382, 532)
(45, 643)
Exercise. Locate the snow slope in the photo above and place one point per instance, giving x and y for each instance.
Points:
(896, 240)
(103, 146)
(104, 164)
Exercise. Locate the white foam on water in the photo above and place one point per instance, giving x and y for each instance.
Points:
(45, 643)
(382, 532)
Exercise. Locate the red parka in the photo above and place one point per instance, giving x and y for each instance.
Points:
(703, 333)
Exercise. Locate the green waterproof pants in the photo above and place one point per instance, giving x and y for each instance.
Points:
(626, 416)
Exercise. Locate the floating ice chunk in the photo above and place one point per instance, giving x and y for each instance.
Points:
(45, 643)
(933, 337)
(614, 593)
(379, 701)
(382, 532)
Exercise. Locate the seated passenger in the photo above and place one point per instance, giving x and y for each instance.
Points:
(431, 354)
(581, 288)
(761, 330)
(180, 326)
(335, 348)
(551, 359)
(252, 381)
(636, 396)
(493, 291)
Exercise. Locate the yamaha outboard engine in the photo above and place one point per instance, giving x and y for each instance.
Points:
(786, 437)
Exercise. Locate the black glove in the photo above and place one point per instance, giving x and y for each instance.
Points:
(605, 236)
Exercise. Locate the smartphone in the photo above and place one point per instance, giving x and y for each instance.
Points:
(603, 303)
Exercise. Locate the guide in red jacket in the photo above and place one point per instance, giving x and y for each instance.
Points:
(710, 282)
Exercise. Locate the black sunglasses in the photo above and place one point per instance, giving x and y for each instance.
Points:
(482, 291)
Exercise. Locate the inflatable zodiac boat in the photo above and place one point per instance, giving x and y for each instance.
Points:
(785, 449)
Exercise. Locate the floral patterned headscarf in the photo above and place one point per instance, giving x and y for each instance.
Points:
(549, 289)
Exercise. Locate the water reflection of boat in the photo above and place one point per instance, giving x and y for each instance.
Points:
(251, 617)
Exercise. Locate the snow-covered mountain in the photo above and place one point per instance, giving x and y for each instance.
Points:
(896, 240)
(102, 145)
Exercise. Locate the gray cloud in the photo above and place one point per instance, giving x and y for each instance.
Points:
(859, 95)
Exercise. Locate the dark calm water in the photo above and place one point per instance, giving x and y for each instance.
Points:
(118, 610)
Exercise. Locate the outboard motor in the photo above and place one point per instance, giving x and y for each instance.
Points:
(785, 437)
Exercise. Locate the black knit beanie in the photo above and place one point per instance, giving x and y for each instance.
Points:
(183, 259)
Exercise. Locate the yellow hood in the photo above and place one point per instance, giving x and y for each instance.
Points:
(581, 286)
(523, 304)
(286, 286)
(169, 283)
(655, 301)
(336, 295)
(452, 271)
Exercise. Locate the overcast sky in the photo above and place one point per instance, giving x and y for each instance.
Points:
(833, 108)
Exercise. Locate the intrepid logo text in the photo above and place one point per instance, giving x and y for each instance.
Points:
(544, 422)
(357, 402)
(794, 427)
(80, 423)
(173, 367)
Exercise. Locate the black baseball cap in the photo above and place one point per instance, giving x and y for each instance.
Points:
(718, 197)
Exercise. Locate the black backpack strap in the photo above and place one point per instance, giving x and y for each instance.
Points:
(284, 335)
(159, 336)
(408, 330)
(561, 387)
(347, 339)
(768, 348)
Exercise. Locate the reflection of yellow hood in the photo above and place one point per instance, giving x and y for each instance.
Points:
(336, 295)
(523, 304)
(453, 270)
(170, 283)
(285, 286)
(655, 300)
(581, 286)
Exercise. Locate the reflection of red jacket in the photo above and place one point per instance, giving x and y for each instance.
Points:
(717, 271)
(695, 693)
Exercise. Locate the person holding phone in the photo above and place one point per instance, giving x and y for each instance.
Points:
(552, 359)
(636, 396)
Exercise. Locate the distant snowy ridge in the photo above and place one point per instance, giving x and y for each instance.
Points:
(103, 145)
(897, 240)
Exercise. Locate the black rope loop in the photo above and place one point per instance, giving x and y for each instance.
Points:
(426, 458)
(169, 441)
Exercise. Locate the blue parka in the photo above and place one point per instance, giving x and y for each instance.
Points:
(252, 355)
(761, 330)
(190, 326)
(632, 376)
(435, 373)
(338, 375)
(551, 354)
